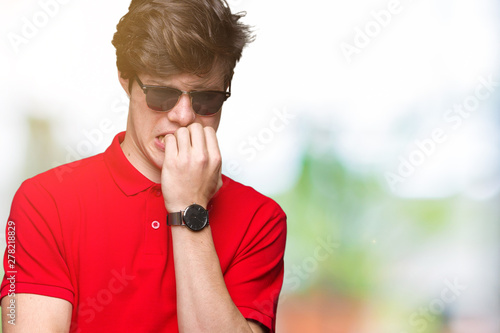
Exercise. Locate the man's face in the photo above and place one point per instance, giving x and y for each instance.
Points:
(143, 144)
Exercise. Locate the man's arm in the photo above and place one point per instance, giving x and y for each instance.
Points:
(36, 313)
(191, 174)
(203, 301)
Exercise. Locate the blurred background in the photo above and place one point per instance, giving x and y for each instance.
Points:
(374, 124)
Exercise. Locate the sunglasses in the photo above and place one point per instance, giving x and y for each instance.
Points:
(204, 103)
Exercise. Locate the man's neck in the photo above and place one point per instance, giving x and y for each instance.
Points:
(149, 171)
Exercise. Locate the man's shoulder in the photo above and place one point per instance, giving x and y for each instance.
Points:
(246, 214)
(245, 197)
(236, 189)
(72, 174)
(57, 188)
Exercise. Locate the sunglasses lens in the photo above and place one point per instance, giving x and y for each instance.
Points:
(207, 103)
(162, 99)
(204, 103)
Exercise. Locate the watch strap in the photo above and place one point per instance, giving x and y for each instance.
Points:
(176, 218)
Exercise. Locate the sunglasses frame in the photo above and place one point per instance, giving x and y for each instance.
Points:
(145, 88)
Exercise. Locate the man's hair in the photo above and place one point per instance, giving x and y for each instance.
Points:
(168, 37)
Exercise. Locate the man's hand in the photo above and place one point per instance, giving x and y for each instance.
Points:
(192, 167)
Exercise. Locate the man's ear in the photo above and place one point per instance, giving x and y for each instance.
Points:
(124, 83)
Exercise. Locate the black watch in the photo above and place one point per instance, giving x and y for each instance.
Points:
(195, 217)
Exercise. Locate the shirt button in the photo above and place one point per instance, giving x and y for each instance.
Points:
(158, 193)
(155, 225)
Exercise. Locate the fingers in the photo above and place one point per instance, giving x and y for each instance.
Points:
(192, 156)
(214, 153)
(171, 145)
(212, 144)
(194, 138)
(194, 143)
(198, 142)
(183, 137)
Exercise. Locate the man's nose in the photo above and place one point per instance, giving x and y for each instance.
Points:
(182, 113)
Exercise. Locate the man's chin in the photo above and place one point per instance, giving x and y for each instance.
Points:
(158, 162)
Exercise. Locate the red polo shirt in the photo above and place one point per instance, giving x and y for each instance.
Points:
(93, 232)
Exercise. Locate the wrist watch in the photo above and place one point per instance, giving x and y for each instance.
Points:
(195, 217)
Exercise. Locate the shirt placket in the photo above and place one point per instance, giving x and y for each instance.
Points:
(155, 224)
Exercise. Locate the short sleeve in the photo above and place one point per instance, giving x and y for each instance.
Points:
(34, 260)
(255, 278)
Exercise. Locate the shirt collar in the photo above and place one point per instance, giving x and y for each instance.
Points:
(125, 175)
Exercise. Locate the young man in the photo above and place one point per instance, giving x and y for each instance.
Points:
(149, 236)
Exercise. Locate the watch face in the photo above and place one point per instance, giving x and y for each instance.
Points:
(196, 217)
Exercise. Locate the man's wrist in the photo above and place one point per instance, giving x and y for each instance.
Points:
(175, 208)
(194, 217)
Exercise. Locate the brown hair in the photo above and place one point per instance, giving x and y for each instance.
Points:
(168, 37)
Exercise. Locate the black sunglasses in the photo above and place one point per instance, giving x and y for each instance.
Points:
(204, 103)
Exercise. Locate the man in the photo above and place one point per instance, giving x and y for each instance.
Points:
(149, 236)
